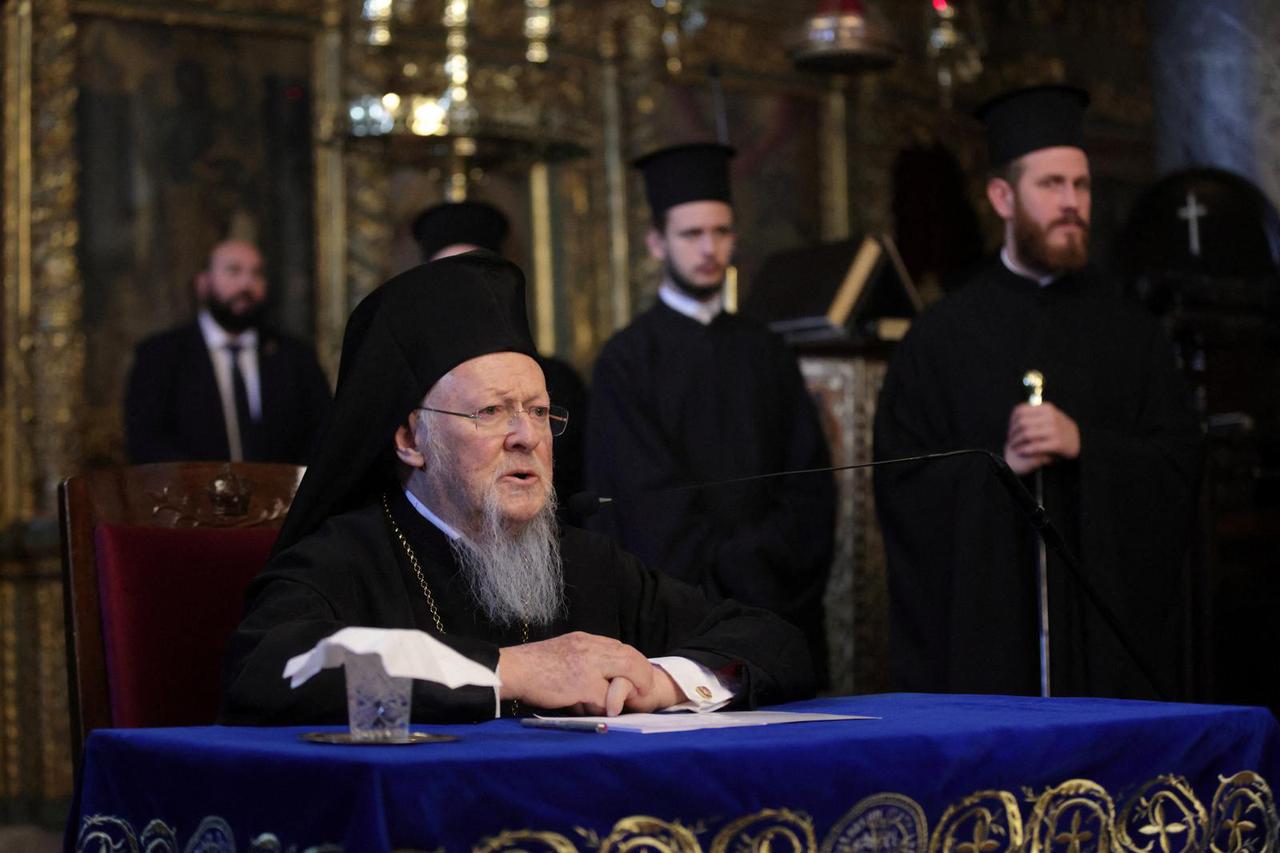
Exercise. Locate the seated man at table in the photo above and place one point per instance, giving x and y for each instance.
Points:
(429, 505)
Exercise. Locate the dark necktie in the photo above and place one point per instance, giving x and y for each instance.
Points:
(249, 450)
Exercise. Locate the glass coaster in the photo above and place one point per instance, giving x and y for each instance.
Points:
(346, 738)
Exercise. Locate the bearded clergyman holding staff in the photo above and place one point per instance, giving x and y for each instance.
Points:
(429, 506)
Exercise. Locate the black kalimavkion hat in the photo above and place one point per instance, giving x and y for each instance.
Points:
(476, 223)
(697, 171)
(1027, 120)
(399, 341)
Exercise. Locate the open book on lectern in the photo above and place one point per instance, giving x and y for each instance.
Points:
(855, 290)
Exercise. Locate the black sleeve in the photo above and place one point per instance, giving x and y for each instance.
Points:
(324, 584)
(661, 616)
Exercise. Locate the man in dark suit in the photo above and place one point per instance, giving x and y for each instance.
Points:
(223, 386)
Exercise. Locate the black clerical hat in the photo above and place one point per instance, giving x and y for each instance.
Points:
(698, 171)
(1027, 120)
(450, 223)
(399, 341)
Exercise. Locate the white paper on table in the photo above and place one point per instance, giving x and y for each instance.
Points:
(655, 723)
(404, 654)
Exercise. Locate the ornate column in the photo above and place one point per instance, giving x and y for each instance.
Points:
(43, 352)
(44, 349)
(330, 188)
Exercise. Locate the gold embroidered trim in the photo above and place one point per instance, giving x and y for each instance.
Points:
(526, 841)
(983, 822)
(1074, 816)
(1163, 816)
(1164, 811)
(776, 830)
(881, 822)
(1244, 815)
(649, 834)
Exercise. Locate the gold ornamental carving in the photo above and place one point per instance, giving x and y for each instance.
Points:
(44, 347)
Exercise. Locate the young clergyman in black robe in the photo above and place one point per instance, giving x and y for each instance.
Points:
(690, 394)
(429, 506)
(1115, 442)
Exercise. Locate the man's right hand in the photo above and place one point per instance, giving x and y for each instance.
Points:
(1038, 435)
(573, 670)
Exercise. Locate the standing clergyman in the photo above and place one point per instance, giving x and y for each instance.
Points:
(1115, 442)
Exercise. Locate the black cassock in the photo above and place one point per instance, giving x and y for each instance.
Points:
(961, 558)
(352, 571)
(675, 403)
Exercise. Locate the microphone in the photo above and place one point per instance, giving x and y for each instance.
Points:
(585, 504)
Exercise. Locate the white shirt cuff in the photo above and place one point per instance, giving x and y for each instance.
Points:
(706, 689)
(497, 692)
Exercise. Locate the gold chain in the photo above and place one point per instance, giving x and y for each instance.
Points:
(422, 579)
(417, 567)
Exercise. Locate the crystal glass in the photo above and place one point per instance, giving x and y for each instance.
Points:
(377, 704)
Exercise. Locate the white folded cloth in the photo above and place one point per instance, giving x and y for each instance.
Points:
(404, 654)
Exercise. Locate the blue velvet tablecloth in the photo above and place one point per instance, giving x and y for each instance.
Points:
(991, 772)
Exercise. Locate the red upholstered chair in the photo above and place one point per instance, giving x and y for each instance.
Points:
(155, 561)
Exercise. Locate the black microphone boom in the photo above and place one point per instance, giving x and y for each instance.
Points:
(584, 504)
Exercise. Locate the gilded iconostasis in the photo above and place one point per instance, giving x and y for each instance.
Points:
(139, 132)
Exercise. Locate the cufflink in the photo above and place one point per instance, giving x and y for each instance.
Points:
(703, 691)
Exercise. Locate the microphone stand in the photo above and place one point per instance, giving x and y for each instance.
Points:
(1027, 505)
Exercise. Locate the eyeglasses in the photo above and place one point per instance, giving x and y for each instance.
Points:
(499, 417)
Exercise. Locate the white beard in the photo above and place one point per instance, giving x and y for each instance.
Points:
(514, 576)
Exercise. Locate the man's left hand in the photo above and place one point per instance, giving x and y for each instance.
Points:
(1043, 430)
(623, 695)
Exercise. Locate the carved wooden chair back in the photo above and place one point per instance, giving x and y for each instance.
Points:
(155, 559)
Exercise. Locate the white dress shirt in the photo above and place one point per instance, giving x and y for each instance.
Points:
(705, 689)
(217, 339)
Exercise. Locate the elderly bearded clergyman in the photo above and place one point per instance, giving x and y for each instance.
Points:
(429, 505)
